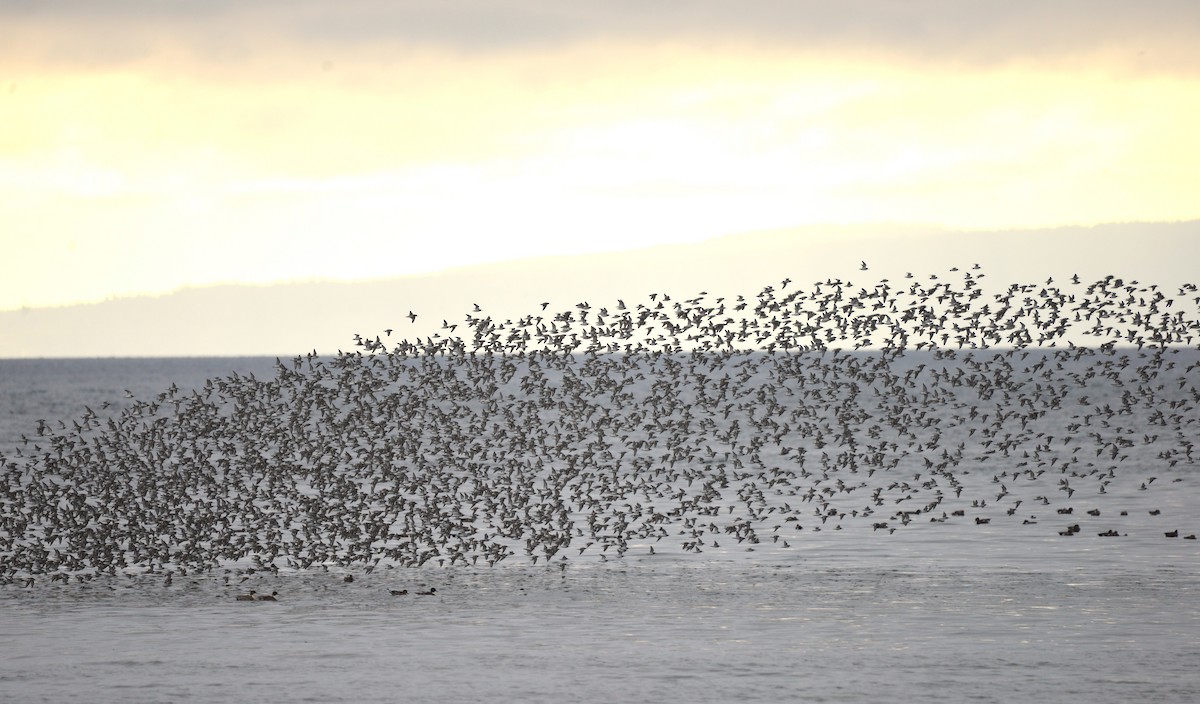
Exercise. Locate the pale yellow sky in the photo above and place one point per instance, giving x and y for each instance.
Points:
(143, 151)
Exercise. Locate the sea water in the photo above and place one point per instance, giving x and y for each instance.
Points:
(945, 613)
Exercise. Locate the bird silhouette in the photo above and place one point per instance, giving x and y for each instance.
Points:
(658, 424)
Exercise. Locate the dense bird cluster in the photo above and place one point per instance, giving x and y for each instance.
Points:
(667, 426)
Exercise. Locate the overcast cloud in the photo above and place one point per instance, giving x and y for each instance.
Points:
(235, 141)
(980, 31)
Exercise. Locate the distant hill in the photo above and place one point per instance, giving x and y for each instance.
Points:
(290, 319)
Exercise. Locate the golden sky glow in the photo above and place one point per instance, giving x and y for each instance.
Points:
(224, 153)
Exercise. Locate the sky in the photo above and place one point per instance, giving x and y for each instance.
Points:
(151, 146)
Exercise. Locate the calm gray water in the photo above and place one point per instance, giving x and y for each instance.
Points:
(999, 612)
(647, 630)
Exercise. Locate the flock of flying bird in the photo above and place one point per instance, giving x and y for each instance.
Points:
(667, 426)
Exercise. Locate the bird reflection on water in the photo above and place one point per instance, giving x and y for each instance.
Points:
(689, 425)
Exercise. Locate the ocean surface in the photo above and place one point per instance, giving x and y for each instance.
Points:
(959, 611)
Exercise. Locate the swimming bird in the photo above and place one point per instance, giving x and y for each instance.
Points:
(247, 597)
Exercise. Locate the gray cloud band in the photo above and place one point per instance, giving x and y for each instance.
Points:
(986, 31)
